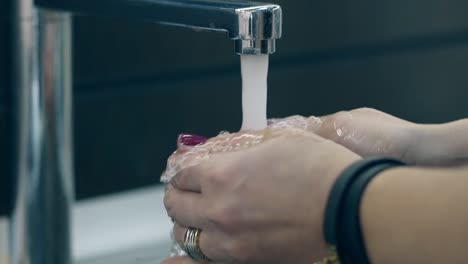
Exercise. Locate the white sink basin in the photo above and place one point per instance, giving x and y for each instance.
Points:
(152, 254)
(3, 240)
(126, 228)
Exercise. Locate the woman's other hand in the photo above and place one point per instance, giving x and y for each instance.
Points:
(369, 132)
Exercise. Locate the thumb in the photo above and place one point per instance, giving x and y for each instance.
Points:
(332, 127)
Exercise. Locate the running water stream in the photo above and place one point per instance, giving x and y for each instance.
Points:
(254, 69)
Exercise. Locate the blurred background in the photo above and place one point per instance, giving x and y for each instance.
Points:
(138, 85)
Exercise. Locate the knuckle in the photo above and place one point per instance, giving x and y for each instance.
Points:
(167, 201)
(334, 122)
(335, 119)
(219, 178)
(222, 175)
(342, 118)
(342, 114)
(169, 210)
(223, 218)
(176, 181)
(179, 180)
(365, 110)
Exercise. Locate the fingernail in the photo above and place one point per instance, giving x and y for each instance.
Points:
(191, 140)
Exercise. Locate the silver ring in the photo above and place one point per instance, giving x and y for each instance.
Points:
(192, 244)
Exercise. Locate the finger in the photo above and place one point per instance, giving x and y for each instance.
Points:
(185, 207)
(191, 167)
(181, 149)
(331, 126)
(180, 160)
(209, 243)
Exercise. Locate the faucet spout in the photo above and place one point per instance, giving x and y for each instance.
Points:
(257, 29)
(254, 26)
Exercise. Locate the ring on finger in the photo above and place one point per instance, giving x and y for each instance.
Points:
(191, 244)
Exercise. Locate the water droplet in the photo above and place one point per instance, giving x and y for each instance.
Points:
(339, 132)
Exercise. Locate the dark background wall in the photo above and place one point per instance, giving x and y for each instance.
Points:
(138, 85)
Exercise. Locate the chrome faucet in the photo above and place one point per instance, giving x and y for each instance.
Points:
(43, 198)
(254, 26)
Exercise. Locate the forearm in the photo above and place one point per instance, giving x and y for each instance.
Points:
(444, 144)
(415, 215)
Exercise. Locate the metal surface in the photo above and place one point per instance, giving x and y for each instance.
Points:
(40, 222)
(255, 25)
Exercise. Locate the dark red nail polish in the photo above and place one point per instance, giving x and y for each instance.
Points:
(191, 140)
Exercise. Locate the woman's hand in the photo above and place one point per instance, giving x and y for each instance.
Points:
(369, 132)
(264, 204)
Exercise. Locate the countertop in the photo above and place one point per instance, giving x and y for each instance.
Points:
(130, 227)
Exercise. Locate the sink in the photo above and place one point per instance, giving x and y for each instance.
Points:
(3, 240)
(151, 254)
(127, 228)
